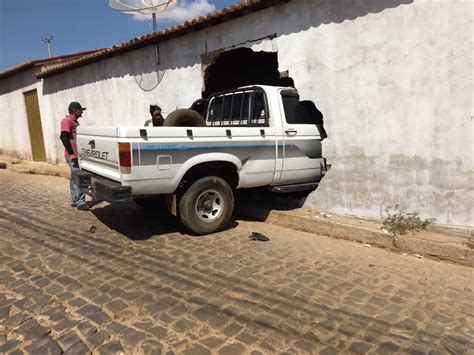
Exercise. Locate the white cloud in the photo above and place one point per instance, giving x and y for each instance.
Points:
(185, 10)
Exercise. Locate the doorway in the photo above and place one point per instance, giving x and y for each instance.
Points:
(34, 125)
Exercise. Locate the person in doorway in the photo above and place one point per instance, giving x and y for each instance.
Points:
(157, 119)
(68, 138)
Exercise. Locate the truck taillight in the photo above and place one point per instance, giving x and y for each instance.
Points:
(125, 158)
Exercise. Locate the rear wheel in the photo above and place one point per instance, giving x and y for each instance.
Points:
(207, 205)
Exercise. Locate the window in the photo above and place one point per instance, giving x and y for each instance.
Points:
(215, 109)
(227, 107)
(237, 105)
(300, 112)
(289, 103)
(259, 112)
(246, 105)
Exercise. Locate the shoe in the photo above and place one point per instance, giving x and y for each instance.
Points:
(73, 204)
(83, 207)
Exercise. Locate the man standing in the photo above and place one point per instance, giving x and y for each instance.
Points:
(68, 138)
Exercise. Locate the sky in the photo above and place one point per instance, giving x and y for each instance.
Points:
(80, 25)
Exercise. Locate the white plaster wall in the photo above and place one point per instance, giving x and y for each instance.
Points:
(394, 81)
(396, 90)
(392, 77)
(119, 90)
(14, 134)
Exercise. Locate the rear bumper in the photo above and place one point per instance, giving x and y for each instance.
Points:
(101, 188)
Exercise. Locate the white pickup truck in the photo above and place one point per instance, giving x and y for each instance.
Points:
(252, 137)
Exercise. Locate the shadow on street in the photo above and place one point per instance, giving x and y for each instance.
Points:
(256, 204)
(137, 223)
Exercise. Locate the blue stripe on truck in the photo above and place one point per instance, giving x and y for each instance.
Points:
(150, 147)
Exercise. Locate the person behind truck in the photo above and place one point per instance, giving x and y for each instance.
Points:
(68, 138)
(157, 119)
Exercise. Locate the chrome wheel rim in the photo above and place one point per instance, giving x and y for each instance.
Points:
(209, 206)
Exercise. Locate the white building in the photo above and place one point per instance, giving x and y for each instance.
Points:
(393, 78)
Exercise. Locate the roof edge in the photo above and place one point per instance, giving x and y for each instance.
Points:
(36, 62)
(214, 18)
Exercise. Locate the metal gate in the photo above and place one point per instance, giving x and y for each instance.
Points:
(34, 125)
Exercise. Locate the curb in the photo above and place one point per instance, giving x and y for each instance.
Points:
(39, 168)
(442, 247)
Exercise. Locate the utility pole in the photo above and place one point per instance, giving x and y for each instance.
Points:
(48, 40)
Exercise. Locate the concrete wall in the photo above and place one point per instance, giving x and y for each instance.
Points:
(14, 134)
(395, 85)
(392, 77)
(118, 91)
(394, 80)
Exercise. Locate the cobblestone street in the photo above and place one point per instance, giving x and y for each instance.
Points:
(138, 284)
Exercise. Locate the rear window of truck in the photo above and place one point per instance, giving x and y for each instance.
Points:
(299, 112)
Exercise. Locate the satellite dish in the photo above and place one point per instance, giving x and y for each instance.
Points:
(145, 7)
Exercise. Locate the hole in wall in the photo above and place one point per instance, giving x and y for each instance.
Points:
(240, 67)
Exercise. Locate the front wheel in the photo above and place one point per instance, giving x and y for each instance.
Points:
(207, 205)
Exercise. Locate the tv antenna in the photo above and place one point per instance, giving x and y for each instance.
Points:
(48, 40)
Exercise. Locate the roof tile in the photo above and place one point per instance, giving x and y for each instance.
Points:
(43, 61)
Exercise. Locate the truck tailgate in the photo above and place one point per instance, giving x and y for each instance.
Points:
(98, 153)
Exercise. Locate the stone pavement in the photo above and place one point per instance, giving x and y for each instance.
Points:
(139, 285)
(440, 242)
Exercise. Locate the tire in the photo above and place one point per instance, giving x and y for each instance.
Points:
(184, 118)
(206, 206)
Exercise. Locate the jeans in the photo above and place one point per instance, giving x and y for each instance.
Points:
(77, 197)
